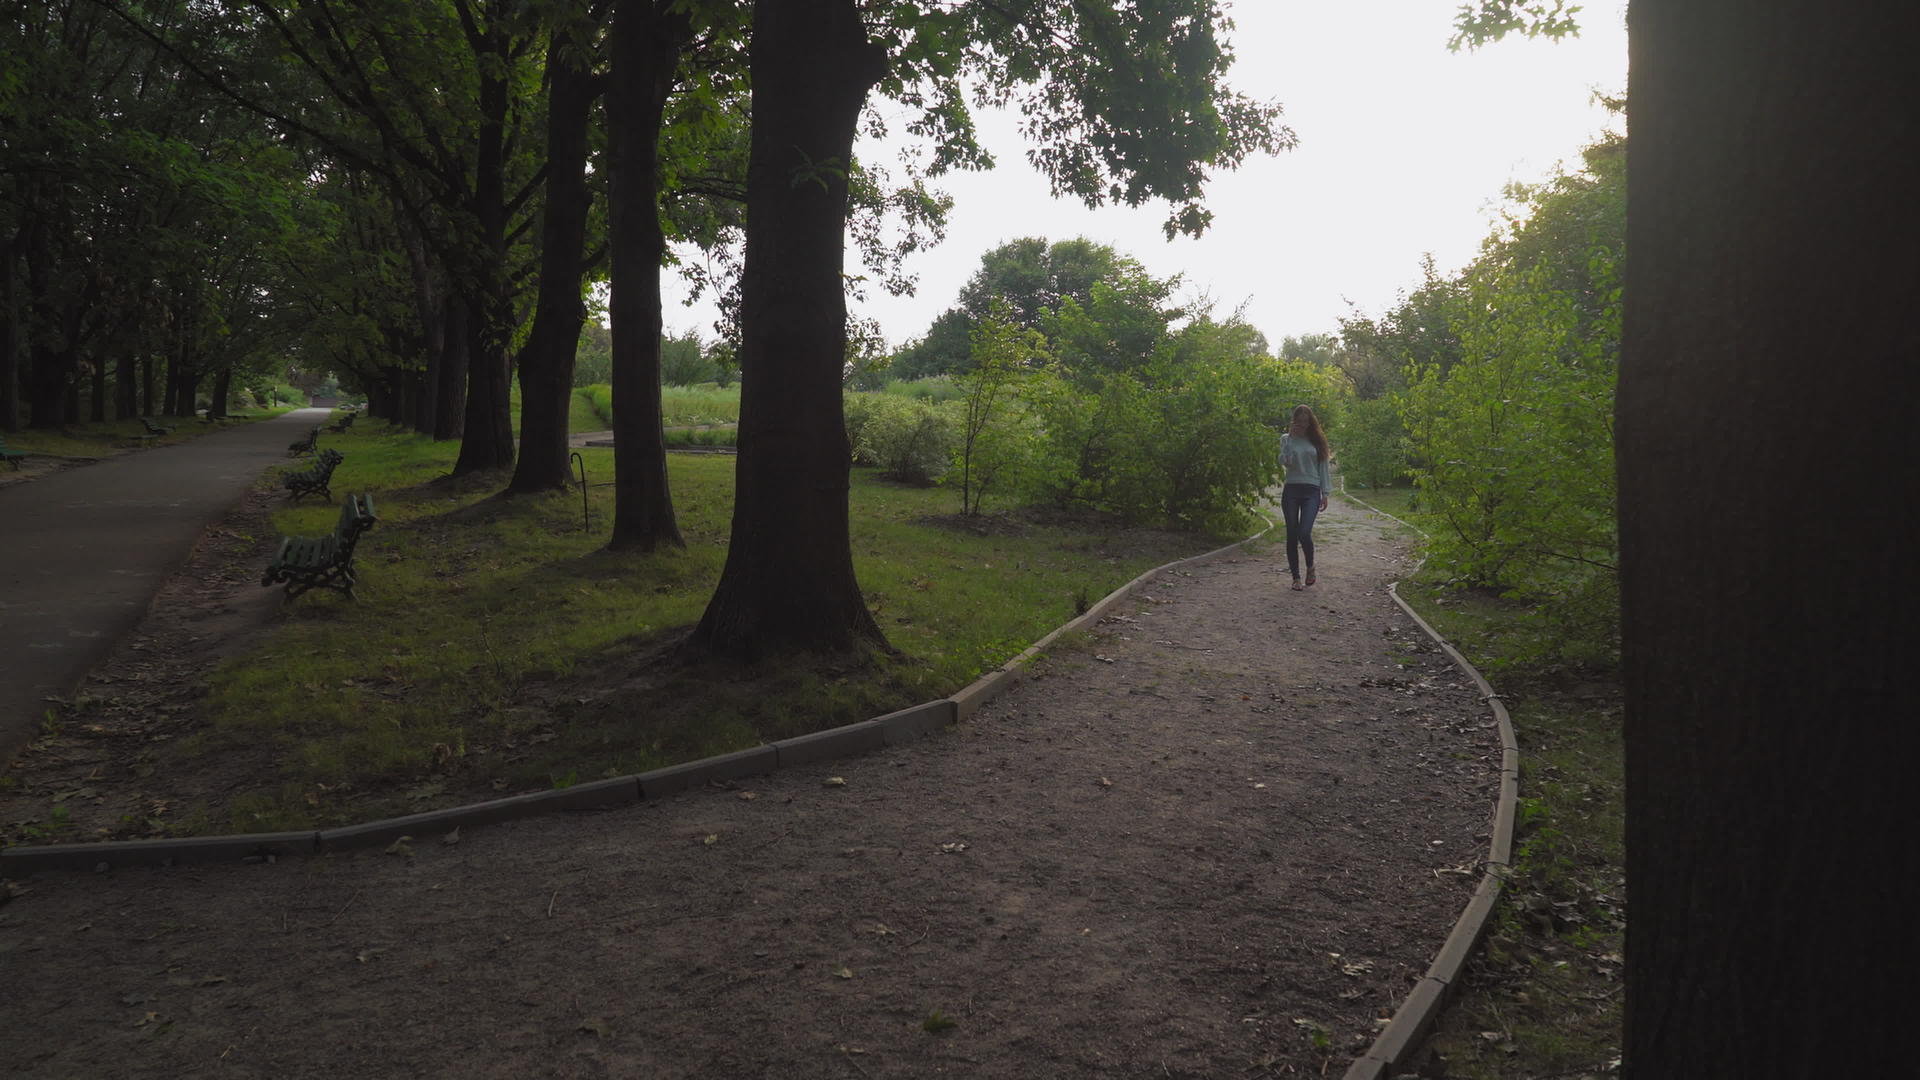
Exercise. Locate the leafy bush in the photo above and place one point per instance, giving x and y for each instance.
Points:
(906, 439)
(1373, 444)
(600, 396)
(1515, 440)
(683, 362)
(932, 388)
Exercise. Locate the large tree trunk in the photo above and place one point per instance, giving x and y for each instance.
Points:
(126, 387)
(46, 367)
(435, 311)
(546, 364)
(12, 339)
(646, 47)
(97, 391)
(222, 386)
(789, 581)
(443, 401)
(487, 442)
(1767, 377)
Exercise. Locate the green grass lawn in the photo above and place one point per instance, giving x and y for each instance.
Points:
(497, 646)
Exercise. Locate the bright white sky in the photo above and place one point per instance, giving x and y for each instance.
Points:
(1404, 149)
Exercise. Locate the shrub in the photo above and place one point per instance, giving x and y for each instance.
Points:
(1372, 444)
(906, 439)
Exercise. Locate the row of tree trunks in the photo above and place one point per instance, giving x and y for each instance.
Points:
(789, 581)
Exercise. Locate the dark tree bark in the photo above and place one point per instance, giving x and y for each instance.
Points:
(434, 308)
(443, 403)
(546, 363)
(1767, 378)
(11, 337)
(97, 392)
(646, 48)
(126, 387)
(487, 441)
(789, 580)
(46, 367)
(217, 401)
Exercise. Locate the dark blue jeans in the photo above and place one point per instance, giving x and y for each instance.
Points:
(1299, 505)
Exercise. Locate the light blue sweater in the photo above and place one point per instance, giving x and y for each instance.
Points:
(1301, 459)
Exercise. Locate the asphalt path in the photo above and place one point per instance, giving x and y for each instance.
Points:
(86, 549)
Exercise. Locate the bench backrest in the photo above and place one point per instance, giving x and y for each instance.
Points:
(356, 517)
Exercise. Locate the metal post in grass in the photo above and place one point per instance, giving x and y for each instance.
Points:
(580, 464)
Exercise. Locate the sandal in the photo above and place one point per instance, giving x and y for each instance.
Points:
(1296, 586)
(1310, 577)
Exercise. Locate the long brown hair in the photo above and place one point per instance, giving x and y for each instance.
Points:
(1312, 430)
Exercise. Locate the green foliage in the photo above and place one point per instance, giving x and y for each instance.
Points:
(997, 436)
(680, 406)
(932, 388)
(906, 439)
(1487, 21)
(1373, 444)
(1514, 440)
(593, 360)
(683, 362)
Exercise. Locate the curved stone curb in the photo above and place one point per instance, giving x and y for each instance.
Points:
(893, 729)
(1415, 1017)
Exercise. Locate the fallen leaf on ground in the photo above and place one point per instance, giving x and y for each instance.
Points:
(710, 839)
(835, 781)
(595, 1026)
(452, 837)
(843, 973)
(400, 846)
(954, 848)
(747, 796)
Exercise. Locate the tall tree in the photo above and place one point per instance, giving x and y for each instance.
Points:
(648, 38)
(1766, 387)
(546, 362)
(789, 579)
(1125, 104)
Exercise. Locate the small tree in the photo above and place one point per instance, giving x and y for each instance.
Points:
(992, 441)
(682, 361)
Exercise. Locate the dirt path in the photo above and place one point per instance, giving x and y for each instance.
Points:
(1219, 837)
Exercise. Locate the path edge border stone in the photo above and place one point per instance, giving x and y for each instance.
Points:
(1413, 1021)
(893, 729)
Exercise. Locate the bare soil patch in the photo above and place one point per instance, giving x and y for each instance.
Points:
(1221, 835)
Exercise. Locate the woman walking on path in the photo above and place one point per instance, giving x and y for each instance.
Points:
(1303, 454)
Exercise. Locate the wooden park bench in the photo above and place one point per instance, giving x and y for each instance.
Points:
(154, 429)
(315, 478)
(310, 562)
(303, 446)
(11, 457)
(344, 422)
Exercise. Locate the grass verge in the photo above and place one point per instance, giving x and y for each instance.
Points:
(497, 646)
(98, 439)
(1544, 995)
